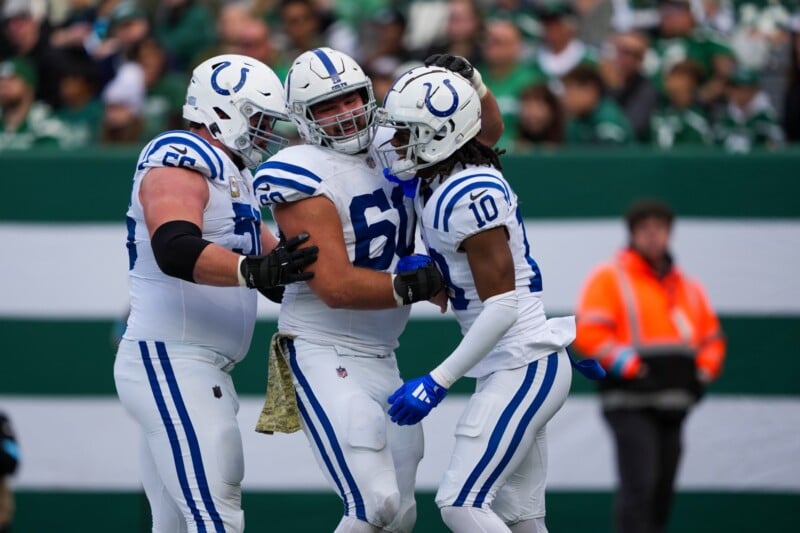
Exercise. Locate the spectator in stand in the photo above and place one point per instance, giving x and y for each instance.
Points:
(622, 72)
(504, 74)
(465, 35)
(253, 39)
(679, 39)
(385, 37)
(165, 89)
(28, 34)
(749, 120)
(382, 71)
(26, 123)
(541, 119)
(184, 27)
(81, 110)
(77, 27)
(681, 122)
(593, 118)
(561, 50)
(302, 27)
(123, 101)
(521, 14)
(791, 113)
(231, 17)
(128, 25)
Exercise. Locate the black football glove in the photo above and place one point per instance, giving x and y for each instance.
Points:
(461, 66)
(417, 285)
(281, 266)
(457, 64)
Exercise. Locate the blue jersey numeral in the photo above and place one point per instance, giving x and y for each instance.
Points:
(489, 209)
(247, 221)
(395, 238)
(131, 244)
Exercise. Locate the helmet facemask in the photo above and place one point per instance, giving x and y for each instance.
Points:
(414, 145)
(436, 112)
(319, 76)
(239, 100)
(351, 131)
(259, 140)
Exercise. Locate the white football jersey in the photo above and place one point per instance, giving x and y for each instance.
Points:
(378, 223)
(166, 308)
(470, 201)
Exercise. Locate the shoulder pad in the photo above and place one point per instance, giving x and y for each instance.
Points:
(471, 201)
(291, 175)
(183, 149)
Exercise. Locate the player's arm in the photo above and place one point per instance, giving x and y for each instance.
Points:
(491, 120)
(173, 200)
(492, 266)
(268, 240)
(336, 281)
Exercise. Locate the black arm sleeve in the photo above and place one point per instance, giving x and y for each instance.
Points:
(176, 246)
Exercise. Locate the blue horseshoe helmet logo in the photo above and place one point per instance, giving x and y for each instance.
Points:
(226, 92)
(437, 112)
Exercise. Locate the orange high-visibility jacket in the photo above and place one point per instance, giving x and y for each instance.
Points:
(627, 314)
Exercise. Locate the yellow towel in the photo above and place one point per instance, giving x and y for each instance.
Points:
(280, 412)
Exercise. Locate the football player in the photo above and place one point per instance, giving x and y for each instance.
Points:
(196, 250)
(341, 328)
(472, 228)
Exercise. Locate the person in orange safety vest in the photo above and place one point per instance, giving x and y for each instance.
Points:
(653, 329)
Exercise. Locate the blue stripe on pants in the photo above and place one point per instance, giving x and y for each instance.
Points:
(191, 437)
(502, 427)
(544, 390)
(358, 501)
(173, 436)
(321, 447)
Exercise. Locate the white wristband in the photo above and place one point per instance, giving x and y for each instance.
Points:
(477, 83)
(242, 281)
(397, 298)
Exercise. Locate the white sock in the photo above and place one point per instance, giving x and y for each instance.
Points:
(472, 520)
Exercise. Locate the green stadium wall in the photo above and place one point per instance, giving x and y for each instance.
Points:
(63, 292)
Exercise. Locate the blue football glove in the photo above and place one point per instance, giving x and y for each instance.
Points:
(412, 262)
(414, 400)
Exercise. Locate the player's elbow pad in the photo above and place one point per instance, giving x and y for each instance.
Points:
(176, 246)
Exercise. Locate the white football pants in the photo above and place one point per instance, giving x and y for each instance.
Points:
(192, 461)
(369, 461)
(499, 463)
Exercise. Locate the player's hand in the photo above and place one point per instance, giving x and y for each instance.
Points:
(283, 265)
(459, 65)
(414, 400)
(416, 279)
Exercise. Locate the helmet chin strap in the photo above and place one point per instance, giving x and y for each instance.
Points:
(404, 169)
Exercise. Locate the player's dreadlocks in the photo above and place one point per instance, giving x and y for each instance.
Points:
(473, 152)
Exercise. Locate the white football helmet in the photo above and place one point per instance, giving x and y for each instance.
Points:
(438, 108)
(238, 99)
(321, 74)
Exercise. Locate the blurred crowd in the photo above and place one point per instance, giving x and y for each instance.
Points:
(662, 73)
